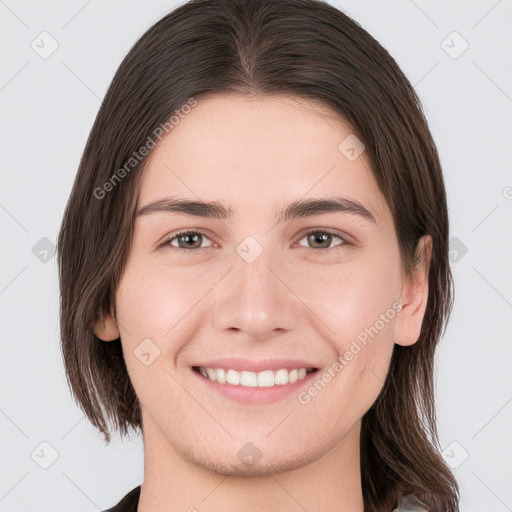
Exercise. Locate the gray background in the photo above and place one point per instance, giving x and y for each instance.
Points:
(47, 109)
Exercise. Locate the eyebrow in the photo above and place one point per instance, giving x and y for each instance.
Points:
(296, 209)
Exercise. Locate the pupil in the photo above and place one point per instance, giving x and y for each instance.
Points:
(323, 237)
(189, 237)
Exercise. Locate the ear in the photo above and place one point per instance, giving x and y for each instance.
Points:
(414, 295)
(106, 329)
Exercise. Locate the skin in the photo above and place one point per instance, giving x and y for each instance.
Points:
(256, 156)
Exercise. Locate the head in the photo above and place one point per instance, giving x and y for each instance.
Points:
(255, 107)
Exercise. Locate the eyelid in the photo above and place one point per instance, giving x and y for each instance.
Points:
(347, 239)
(166, 241)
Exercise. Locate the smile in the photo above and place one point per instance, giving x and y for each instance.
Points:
(246, 378)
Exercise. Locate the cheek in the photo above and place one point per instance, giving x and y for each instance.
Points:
(155, 299)
(154, 306)
(357, 299)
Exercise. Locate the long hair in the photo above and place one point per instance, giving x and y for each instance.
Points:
(300, 48)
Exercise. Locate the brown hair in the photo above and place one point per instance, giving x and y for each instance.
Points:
(301, 48)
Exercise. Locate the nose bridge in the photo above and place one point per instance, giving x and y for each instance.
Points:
(253, 297)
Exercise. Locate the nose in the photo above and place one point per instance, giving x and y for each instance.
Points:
(256, 298)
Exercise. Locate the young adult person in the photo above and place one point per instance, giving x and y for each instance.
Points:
(254, 266)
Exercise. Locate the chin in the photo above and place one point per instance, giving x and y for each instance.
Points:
(248, 461)
(245, 470)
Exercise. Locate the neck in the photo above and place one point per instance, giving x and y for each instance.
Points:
(174, 482)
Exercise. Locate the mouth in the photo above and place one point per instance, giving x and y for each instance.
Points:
(267, 378)
(253, 381)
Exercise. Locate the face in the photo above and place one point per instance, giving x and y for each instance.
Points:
(250, 290)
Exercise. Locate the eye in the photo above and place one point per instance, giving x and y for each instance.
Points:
(321, 240)
(190, 241)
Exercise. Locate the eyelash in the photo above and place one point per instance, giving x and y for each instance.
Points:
(167, 242)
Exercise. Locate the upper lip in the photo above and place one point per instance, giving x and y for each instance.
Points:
(256, 365)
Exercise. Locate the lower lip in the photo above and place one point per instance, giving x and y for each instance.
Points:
(256, 395)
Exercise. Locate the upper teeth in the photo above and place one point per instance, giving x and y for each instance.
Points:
(265, 378)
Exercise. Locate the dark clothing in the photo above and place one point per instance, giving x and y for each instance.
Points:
(128, 503)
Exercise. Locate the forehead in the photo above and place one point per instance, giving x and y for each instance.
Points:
(256, 151)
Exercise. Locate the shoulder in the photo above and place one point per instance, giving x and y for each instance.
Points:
(128, 503)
